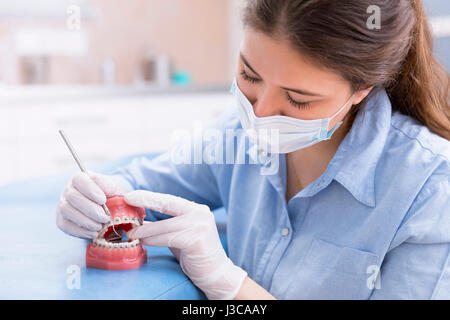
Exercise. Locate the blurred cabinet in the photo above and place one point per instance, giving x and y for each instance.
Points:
(100, 129)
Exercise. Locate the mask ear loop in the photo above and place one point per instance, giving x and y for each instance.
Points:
(346, 103)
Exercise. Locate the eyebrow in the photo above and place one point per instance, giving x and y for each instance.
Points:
(299, 91)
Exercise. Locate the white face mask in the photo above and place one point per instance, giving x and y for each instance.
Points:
(281, 134)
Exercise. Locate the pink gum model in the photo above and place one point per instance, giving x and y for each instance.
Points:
(110, 253)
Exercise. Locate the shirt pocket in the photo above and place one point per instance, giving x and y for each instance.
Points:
(330, 271)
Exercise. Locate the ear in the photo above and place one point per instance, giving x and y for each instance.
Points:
(362, 94)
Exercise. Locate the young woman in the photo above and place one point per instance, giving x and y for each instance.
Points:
(359, 206)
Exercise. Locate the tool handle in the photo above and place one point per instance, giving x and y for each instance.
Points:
(72, 151)
(79, 163)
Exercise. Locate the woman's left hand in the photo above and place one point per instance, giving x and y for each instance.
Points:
(192, 237)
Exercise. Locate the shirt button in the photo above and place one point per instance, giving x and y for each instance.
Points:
(284, 232)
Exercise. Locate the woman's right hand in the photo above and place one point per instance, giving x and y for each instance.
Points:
(79, 212)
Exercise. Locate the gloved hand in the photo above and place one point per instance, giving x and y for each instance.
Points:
(79, 212)
(193, 238)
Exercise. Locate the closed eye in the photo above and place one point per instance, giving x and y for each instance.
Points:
(297, 104)
(248, 78)
(300, 105)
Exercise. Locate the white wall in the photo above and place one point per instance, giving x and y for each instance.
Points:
(235, 33)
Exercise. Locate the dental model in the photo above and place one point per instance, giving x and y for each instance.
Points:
(108, 251)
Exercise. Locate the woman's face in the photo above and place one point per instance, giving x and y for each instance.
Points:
(278, 80)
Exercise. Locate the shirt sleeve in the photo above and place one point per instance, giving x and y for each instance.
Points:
(417, 266)
(168, 173)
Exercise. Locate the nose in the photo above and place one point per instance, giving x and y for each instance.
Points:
(264, 107)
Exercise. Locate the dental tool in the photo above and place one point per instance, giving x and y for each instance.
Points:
(80, 165)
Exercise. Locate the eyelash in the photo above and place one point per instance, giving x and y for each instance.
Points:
(300, 105)
(248, 78)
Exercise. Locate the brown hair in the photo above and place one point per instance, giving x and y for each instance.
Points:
(397, 57)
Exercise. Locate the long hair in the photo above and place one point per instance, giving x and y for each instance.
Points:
(397, 57)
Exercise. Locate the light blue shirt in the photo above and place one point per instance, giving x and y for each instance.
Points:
(383, 203)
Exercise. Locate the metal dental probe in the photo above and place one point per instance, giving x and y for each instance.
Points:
(80, 165)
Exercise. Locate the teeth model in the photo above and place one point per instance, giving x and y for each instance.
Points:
(109, 251)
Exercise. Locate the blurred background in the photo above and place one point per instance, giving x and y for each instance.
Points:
(118, 76)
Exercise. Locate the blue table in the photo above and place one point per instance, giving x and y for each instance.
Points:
(38, 261)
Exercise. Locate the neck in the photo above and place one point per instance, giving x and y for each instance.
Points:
(317, 157)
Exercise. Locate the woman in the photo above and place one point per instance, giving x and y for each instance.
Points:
(358, 207)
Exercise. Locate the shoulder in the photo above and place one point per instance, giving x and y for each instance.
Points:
(408, 131)
(418, 154)
(228, 119)
(227, 126)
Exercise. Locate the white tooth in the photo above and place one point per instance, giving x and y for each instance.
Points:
(116, 246)
(125, 245)
(117, 220)
(125, 219)
(121, 245)
(102, 232)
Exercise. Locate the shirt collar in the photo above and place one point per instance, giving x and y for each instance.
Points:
(355, 161)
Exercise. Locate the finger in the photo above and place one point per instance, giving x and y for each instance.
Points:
(87, 186)
(165, 203)
(159, 227)
(77, 217)
(175, 252)
(163, 240)
(107, 184)
(130, 233)
(178, 239)
(72, 229)
(83, 204)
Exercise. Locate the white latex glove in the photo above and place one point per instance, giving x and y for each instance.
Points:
(79, 212)
(193, 238)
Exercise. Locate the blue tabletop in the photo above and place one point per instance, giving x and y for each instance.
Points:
(38, 261)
